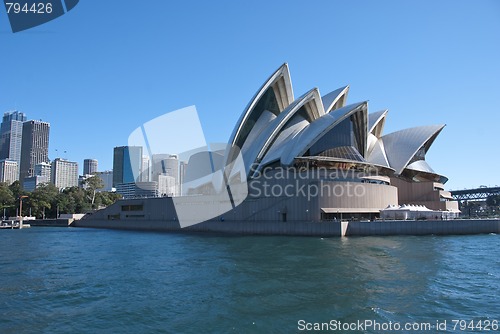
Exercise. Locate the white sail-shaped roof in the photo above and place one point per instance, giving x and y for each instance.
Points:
(421, 166)
(401, 146)
(314, 131)
(335, 99)
(377, 155)
(276, 128)
(376, 122)
(311, 109)
(279, 85)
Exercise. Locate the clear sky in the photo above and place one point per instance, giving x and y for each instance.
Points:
(106, 67)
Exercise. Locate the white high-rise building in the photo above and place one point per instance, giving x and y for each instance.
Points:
(9, 171)
(166, 165)
(64, 173)
(146, 169)
(166, 186)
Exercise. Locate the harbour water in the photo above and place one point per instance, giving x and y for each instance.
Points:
(62, 280)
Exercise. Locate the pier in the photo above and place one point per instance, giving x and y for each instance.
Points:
(13, 225)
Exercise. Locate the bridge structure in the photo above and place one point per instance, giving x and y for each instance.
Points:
(477, 194)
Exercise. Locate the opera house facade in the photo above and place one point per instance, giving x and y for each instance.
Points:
(311, 158)
(318, 157)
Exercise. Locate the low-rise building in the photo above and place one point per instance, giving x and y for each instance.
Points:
(137, 189)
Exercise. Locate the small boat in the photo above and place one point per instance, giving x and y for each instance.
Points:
(8, 225)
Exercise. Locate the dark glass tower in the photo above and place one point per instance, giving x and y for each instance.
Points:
(89, 166)
(127, 161)
(34, 147)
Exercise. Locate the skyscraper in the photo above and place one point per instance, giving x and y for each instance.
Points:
(34, 147)
(89, 166)
(127, 163)
(166, 165)
(11, 133)
(146, 170)
(64, 173)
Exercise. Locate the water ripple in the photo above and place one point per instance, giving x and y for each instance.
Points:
(86, 281)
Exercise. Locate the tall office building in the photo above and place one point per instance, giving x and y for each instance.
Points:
(89, 166)
(166, 186)
(127, 164)
(11, 133)
(64, 173)
(34, 147)
(172, 170)
(166, 165)
(9, 171)
(146, 169)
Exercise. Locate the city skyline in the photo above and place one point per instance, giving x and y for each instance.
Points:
(59, 171)
(437, 64)
(24, 155)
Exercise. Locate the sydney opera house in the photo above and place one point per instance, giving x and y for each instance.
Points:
(336, 148)
(311, 158)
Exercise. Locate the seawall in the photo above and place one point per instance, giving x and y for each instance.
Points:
(51, 222)
(303, 228)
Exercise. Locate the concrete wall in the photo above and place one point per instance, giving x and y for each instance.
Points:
(299, 200)
(320, 229)
(423, 193)
(326, 229)
(302, 199)
(424, 227)
(51, 222)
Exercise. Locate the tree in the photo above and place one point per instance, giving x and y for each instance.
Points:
(16, 189)
(63, 204)
(105, 198)
(91, 186)
(42, 198)
(77, 201)
(7, 199)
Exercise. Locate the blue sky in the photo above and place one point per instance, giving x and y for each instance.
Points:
(106, 67)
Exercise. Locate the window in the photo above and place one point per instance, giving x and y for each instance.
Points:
(133, 207)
